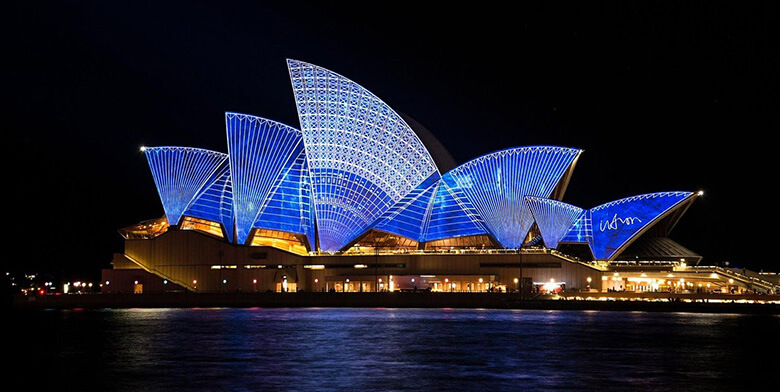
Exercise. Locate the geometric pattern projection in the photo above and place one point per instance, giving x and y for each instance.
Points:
(407, 217)
(363, 157)
(553, 217)
(618, 222)
(451, 214)
(260, 152)
(215, 202)
(179, 174)
(581, 231)
(497, 183)
(288, 207)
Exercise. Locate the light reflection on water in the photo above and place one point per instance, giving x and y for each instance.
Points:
(397, 349)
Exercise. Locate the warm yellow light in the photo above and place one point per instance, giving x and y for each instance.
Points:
(643, 275)
(316, 281)
(446, 280)
(552, 280)
(616, 274)
(682, 280)
(700, 193)
(670, 276)
(714, 276)
(589, 279)
(480, 280)
(380, 280)
(731, 280)
(314, 266)
(143, 148)
(517, 280)
(254, 281)
(359, 266)
(195, 282)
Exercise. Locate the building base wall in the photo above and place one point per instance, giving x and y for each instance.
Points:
(201, 263)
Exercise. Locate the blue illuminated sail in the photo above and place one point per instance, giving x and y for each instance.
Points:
(617, 223)
(553, 217)
(288, 207)
(215, 201)
(179, 174)
(260, 152)
(363, 157)
(581, 231)
(407, 217)
(497, 183)
(452, 215)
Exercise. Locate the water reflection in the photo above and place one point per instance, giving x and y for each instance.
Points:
(398, 349)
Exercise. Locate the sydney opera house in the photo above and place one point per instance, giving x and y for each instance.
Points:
(359, 197)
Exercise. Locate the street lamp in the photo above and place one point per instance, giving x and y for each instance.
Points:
(589, 280)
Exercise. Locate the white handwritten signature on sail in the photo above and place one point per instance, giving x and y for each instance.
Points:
(613, 224)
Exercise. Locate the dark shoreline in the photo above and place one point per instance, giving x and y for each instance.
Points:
(385, 300)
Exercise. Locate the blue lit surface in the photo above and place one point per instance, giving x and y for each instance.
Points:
(179, 174)
(452, 215)
(215, 202)
(617, 222)
(497, 183)
(261, 151)
(553, 217)
(363, 158)
(408, 216)
(581, 231)
(289, 205)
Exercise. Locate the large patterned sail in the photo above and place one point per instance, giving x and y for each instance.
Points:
(363, 157)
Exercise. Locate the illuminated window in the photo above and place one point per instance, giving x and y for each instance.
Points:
(145, 230)
(202, 225)
(281, 240)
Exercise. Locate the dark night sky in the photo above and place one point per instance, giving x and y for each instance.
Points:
(661, 96)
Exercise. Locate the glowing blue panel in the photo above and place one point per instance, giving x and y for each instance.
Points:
(553, 217)
(452, 215)
(288, 207)
(363, 157)
(581, 231)
(260, 151)
(407, 217)
(618, 222)
(215, 202)
(497, 183)
(179, 174)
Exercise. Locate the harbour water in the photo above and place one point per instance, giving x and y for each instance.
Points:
(341, 349)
